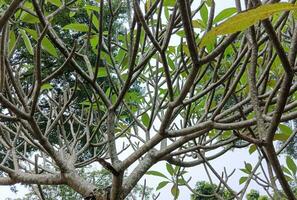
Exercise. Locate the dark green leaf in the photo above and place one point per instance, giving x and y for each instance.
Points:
(170, 169)
(242, 180)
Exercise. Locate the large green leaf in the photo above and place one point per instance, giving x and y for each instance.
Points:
(246, 19)
(45, 43)
(28, 18)
(27, 41)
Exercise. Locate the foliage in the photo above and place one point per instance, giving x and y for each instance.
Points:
(208, 191)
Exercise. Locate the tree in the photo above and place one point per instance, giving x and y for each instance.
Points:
(100, 178)
(176, 83)
(208, 191)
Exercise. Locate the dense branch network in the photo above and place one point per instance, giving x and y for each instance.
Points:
(151, 94)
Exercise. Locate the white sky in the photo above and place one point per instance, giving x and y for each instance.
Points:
(231, 160)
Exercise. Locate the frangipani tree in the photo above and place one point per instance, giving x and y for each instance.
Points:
(178, 84)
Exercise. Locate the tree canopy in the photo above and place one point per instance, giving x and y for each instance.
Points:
(128, 84)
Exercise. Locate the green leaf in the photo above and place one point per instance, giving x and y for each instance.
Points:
(242, 180)
(162, 184)
(226, 134)
(101, 72)
(198, 24)
(169, 3)
(286, 170)
(246, 19)
(170, 169)
(28, 18)
(181, 181)
(204, 14)
(93, 8)
(291, 164)
(175, 191)
(249, 167)
(77, 27)
(45, 43)
(224, 14)
(46, 86)
(281, 137)
(156, 173)
(145, 119)
(252, 149)
(12, 41)
(170, 63)
(27, 41)
(57, 3)
(285, 129)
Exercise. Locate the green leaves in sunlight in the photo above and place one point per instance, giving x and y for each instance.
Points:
(175, 179)
(246, 19)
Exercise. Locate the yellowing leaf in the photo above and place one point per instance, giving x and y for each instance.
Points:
(246, 19)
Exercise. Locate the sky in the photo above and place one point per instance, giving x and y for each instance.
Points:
(230, 160)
